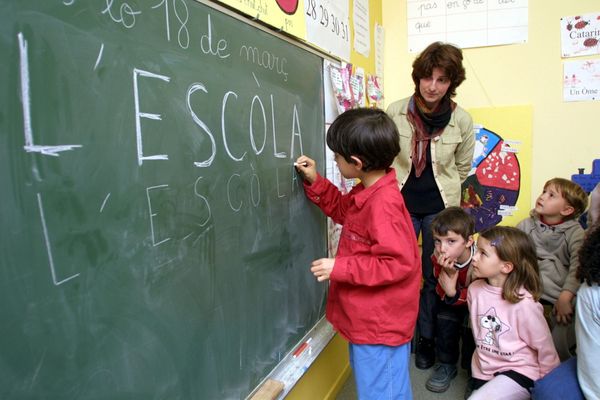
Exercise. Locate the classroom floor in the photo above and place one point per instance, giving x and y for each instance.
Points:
(418, 378)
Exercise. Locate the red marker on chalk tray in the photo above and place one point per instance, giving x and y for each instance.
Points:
(301, 348)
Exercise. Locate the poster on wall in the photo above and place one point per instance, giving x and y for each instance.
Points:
(285, 15)
(362, 32)
(580, 35)
(327, 26)
(379, 39)
(468, 23)
(581, 80)
(491, 190)
(497, 188)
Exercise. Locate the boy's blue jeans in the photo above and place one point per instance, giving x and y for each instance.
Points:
(381, 372)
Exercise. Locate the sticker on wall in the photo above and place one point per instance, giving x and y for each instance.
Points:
(288, 6)
(491, 190)
(285, 15)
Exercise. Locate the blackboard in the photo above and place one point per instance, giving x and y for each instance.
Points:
(155, 238)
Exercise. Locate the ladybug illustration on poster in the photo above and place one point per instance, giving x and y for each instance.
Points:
(288, 6)
(494, 181)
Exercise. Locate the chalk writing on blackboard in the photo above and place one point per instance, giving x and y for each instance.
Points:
(30, 146)
(53, 273)
(264, 59)
(99, 56)
(182, 15)
(126, 14)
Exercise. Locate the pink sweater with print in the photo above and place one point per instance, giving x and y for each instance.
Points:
(508, 336)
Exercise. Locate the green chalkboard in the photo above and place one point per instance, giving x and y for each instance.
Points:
(155, 238)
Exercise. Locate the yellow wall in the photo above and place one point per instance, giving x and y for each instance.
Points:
(358, 59)
(566, 136)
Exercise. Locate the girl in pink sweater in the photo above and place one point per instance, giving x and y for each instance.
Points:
(514, 346)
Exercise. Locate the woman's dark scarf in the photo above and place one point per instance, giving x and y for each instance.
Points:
(427, 124)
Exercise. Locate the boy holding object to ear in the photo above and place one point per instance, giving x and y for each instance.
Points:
(453, 230)
(375, 277)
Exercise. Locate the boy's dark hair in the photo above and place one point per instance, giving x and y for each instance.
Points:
(366, 133)
(589, 257)
(573, 194)
(453, 219)
(440, 55)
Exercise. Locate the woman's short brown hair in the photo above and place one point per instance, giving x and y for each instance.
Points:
(444, 56)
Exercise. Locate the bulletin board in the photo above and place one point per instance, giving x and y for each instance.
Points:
(498, 189)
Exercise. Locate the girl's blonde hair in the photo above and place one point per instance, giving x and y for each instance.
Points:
(514, 246)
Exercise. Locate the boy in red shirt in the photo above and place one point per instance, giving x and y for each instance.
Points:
(375, 277)
(453, 231)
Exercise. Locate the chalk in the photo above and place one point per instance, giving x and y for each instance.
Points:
(304, 164)
(301, 348)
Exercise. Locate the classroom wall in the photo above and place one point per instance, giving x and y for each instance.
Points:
(566, 136)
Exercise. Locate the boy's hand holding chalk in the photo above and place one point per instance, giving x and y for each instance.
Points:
(307, 167)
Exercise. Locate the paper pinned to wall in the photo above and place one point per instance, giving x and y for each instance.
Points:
(362, 31)
(498, 188)
(379, 55)
(466, 23)
(581, 80)
(374, 91)
(339, 76)
(580, 35)
(327, 26)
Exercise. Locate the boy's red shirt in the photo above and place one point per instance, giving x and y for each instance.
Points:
(375, 282)
(462, 283)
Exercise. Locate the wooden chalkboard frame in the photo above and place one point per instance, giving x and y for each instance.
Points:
(300, 358)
